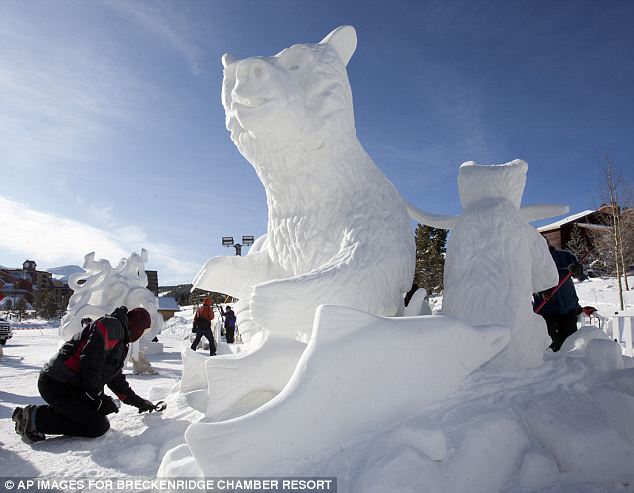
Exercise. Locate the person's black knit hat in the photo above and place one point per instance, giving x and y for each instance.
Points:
(138, 320)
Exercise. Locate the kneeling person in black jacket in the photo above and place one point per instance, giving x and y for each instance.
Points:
(72, 381)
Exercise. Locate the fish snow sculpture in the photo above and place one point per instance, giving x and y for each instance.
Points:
(496, 260)
(338, 231)
(351, 380)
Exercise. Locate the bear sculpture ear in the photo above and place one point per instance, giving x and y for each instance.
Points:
(344, 40)
(227, 59)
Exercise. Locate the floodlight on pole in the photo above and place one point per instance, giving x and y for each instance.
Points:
(247, 240)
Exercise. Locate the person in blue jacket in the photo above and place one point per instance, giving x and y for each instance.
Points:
(562, 310)
(72, 382)
(230, 325)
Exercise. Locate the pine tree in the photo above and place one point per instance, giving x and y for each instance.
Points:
(20, 308)
(577, 244)
(182, 298)
(46, 305)
(8, 305)
(39, 302)
(431, 245)
(53, 307)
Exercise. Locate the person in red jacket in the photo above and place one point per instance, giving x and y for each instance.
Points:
(72, 382)
(202, 326)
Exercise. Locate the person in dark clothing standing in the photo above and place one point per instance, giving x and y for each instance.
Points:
(410, 293)
(202, 326)
(72, 382)
(562, 310)
(230, 325)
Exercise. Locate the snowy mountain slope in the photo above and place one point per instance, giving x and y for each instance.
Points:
(65, 271)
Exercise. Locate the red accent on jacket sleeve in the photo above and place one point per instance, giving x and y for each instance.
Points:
(73, 361)
(108, 342)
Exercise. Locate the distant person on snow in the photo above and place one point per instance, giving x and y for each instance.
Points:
(230, 325)
(72, 382)
(202, 326)
(562, 310)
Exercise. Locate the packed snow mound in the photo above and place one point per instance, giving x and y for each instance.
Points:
(178, 326)
(553, 429)
(588, 435)
(604, 355)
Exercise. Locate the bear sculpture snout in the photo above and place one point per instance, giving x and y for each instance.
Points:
(255, 83)
(252, 70)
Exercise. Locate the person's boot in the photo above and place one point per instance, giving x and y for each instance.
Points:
(25, 426)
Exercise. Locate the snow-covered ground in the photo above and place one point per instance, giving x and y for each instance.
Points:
(509, 431)
(603, 294)
(135, 442)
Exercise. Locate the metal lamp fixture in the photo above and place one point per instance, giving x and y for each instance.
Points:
(247, 240)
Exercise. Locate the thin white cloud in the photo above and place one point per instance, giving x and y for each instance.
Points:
(167, 22)
(60, 101)
(459, 105)
(53, 240)
(416, 156)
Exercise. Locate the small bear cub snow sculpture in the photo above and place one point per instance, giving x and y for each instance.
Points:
(495, 261)
(338, 230)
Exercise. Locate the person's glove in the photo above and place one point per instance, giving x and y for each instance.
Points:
(140, 403)
(576, 269)
(145, 405)
(108, 406)
(103, 404)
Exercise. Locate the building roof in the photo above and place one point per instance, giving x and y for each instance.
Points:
(168, 303)
(565, 220)
(597, 227)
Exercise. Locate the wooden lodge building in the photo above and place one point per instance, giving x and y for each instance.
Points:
(559, 233)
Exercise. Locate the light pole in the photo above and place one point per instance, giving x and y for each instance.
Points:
(228, 242)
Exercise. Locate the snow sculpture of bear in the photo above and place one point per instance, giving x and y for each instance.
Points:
(495, 260)
(338, 230)
(351, 380)
(101, 289)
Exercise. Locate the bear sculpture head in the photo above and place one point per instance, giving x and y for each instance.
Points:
(297, 98)
(478, 183)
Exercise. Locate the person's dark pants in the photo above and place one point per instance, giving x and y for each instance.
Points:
(560, 326)
(70, 411)
(230, 334)
(210, 337)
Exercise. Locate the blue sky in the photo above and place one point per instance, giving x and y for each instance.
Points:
(112, 133)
